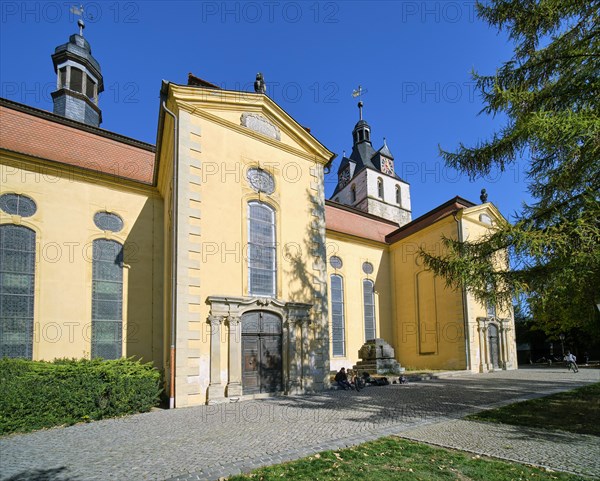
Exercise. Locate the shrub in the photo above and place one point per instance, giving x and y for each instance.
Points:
(38, 394)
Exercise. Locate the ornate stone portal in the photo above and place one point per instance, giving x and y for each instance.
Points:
(227, 312)
(493, 343)
(377, 357)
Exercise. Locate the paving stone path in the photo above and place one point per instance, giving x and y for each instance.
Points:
(208, 442)
(559, 450)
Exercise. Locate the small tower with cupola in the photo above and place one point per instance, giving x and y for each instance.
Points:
(79, 80)
(367, 179)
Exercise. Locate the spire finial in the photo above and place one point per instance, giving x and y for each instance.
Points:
(359, 92)
(384, 141)
(79, 11)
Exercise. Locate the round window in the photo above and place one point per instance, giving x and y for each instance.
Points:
(261, 180)
(108, 221)
(336, 262)
(367, 268)
(16, 204)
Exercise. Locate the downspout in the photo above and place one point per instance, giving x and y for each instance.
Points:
(174, 200)
(464, 300)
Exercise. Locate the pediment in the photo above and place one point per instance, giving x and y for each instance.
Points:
(251, 114)
(486, 214)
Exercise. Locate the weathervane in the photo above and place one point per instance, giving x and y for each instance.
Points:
(79, 11)
(359, 92)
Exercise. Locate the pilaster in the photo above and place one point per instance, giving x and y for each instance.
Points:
(215, 388)
(234, 386)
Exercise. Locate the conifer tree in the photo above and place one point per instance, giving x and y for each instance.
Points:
(549, 92)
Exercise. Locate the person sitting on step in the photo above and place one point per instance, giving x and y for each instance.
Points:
(341, 378)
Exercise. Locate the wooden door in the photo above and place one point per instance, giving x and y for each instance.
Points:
(261, 352)
(494, 346)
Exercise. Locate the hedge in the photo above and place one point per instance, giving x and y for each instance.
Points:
(38, 394)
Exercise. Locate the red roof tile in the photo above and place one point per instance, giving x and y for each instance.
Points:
(340, 218)
(47, 136)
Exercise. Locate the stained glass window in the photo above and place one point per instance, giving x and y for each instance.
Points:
(16, 204)
(262, 262)
(17, 281)
(337, 316)
(107, 299)
(369, 306)
(108, 221)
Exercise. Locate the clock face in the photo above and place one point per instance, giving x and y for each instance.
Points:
(387, 166)
(345, 177)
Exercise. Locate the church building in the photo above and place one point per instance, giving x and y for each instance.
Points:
(214, 254)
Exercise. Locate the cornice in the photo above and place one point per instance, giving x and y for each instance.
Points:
(55, 168)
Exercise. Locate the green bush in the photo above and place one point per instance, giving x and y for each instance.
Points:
(38, 394)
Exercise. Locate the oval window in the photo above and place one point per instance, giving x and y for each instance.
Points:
(16, 204)
(108, 221)
(367, 268)
(336, 262)
(261, 180)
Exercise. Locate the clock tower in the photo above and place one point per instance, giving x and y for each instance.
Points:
(367, 179)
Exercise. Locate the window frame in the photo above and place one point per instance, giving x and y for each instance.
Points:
(365, 305)
(274, 264)
(342, 328)
(95, 301)
(27, 342)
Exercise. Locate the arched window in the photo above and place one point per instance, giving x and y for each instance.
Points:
(262, 265)
(107, 299)
(338, 329)
(398, 194)
(353, 193)
(17, 280)
(380, 188)
(369, 307)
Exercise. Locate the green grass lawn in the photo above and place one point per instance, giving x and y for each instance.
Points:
(576, 411)
(393, 458)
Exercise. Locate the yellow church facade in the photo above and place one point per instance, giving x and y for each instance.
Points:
(215, 254)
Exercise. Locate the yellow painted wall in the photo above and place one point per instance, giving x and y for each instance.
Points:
(429, 317)
(474, 227)
(354, 251)
(67, 199)
(215, 152)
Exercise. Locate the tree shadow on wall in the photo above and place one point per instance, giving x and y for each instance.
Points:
(305, 270)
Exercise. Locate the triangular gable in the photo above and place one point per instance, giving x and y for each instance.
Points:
(253, 113)
(486, 214)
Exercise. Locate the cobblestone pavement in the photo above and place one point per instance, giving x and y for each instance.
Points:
(207, 442)
(558, 450)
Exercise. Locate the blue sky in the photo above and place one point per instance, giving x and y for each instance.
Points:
(414, 59)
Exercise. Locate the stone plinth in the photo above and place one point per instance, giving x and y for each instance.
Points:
(377, 357)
